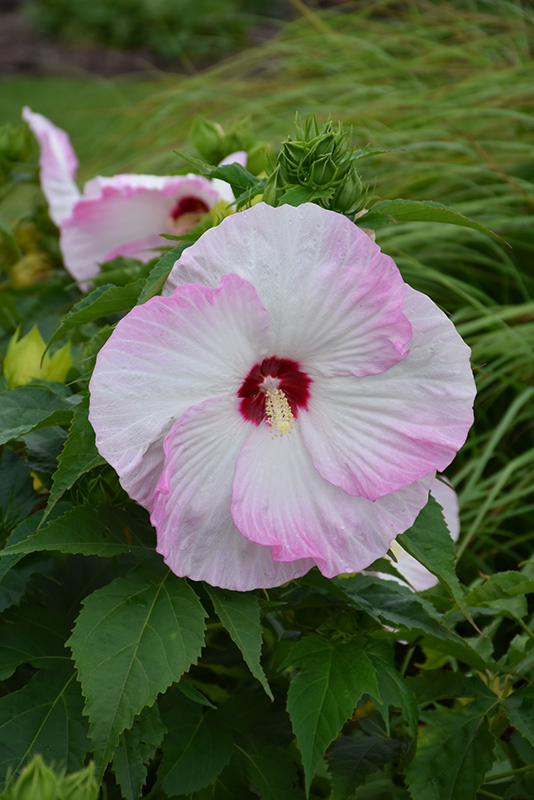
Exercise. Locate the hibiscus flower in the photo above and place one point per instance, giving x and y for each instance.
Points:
(285, 404)
(120, 216)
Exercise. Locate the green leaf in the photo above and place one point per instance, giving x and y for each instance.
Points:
(13, 586)
(198, 745)
(270, 770)
(136, 747)
(429, 542)
(17, 495)
(454, 753)
(519, 708)
(28, 408)
(31, 635)
(104, 531)
(504, 593)
(352, 758)
(325, 693)
(296, 195)
(419, 211)
(394, 691)
(391, 604)
(78, 457)
(44, 717)
(159, 274)
(240, 614)
(101, 302)
(43, 448)
(133, 638)
(439, 684)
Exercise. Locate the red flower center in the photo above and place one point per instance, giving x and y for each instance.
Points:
(189, 205)
(273, 373)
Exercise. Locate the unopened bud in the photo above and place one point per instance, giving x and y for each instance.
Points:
(26, 359)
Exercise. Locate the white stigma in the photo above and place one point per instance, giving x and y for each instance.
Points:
(278, 412)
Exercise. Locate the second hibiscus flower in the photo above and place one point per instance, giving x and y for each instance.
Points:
(285, 404)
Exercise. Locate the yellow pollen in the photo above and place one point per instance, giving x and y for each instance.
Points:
(278, 412)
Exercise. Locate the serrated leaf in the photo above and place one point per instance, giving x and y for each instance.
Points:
(454, 753)
(193, 694)
(392, 604)
(160, 272)
(28, 408)
(198, 745)
(31, 635)
(133, 638)
(271, 771)
(429, 541)
(44, 717)
(43, 448)
(352, 758)
(394, 691)
(79, 455)
(240, 614)
(136, 747)
(504, 593)
(101, 302)
(519, 708)
(104, 531)
(439, 684)
(13, 586)
(325, 693)
(421, 211)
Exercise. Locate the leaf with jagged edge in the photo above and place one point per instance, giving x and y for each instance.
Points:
(519, 708)
(429, 541)
(132, 640)
(325, 692)
(29, 408)
(197, 746)
(239, 612)
(136, 747)
(44, 717)
(79, 455)
(455, 751)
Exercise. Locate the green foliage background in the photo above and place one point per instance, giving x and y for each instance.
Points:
(350, 688)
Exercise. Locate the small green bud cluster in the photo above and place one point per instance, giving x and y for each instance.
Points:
(214, 143)
(322, 161)
(37, 781)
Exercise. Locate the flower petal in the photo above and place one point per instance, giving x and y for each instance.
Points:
(280, 500)
(196, 533)
(373, 435)
(58, 165)
(124, 215)
(334, 299)
(163, 357)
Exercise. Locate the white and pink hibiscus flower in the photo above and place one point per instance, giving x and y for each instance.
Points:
(285, 404)
(124, 215)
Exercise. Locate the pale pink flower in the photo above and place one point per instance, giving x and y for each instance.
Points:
(120, 216)
(285, 404)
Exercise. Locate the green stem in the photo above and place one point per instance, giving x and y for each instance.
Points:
(482, 793)
(510, 773)
(525, 627)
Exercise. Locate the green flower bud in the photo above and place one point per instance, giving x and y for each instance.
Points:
(26, 359)
(80, 785)
(15, 142)
(320, 159)
(35, 781)
(208, 138)
(347, 198)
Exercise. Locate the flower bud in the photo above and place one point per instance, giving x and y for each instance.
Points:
(26, 359)
(35, 781)
(320, 159)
